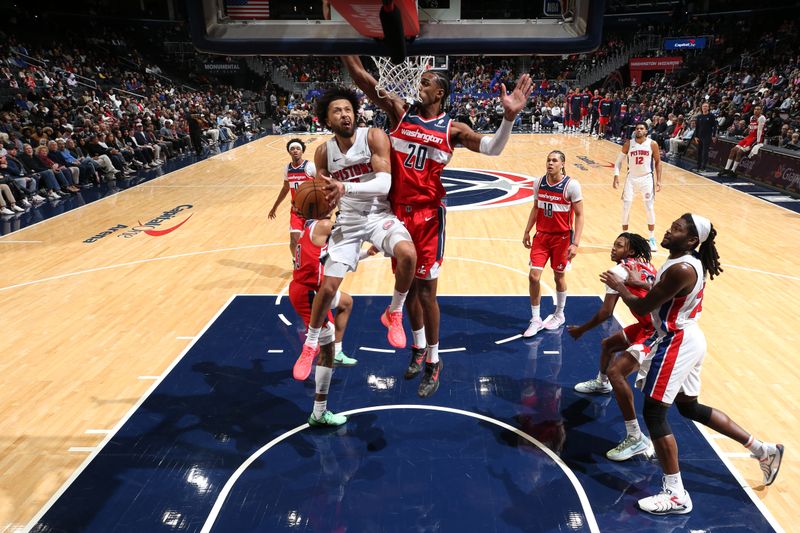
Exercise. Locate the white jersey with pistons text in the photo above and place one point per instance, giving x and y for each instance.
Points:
(640, 158)
(680, 312)
(355, 167)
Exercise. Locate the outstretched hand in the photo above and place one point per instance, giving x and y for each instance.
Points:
(514, 101)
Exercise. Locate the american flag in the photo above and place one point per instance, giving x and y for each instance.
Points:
(247, 9)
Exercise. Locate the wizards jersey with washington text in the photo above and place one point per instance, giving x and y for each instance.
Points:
(297, 175)
(554, 204)
(308, 258)
(420, 150)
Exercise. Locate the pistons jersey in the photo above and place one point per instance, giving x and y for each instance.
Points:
(554, 204)
(420, 151)
(308, 258)
(645, 272)
(680, 312)
(355, 166)
(294, 176)
(640, 158)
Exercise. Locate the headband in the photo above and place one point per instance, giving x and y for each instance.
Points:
(703, 226)
(292, 145)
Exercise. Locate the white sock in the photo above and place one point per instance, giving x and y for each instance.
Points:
(319, 408)
(561, 301)
(674, 484)
(419, 338)
(735, 164)
(398, 299)
(632, 427)
(652, 234)
(433, 353)
(602, 377)
(728, 164)
(337, 347)
(535, 311)
(312, 337)
(756, 447)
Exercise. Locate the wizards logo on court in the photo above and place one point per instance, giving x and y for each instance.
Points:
(470, 188)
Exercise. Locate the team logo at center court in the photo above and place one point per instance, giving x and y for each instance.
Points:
(153, 227)
(469, 188)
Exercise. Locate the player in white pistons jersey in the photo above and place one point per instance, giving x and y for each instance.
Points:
(670, 373)
(643, 159)
(356, 165)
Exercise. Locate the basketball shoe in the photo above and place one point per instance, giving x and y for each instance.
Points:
(394, 323)
(553, 322)
(629, 447)
(653, 245)
(341, 359)
(430, 380)
(328, 419)
(534, 327)
(771, 462)
(302, 367)
(594, 386)
(415, 365)
(665, 502)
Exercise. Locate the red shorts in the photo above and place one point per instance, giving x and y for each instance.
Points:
(584, 111)
(603, 124)
(426, 225)
(553, 246)
(302, 298)
(747, 142)
(638, 333)
(296, 222)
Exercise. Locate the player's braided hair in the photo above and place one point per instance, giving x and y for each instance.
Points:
(640, 248)
(444, 84)
(709, 257)
(563, 160)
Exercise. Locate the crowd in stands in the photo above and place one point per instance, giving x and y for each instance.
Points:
(76, 116)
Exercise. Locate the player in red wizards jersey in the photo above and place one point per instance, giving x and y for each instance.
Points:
(631, 253)
(557, 199)
(295, 173)
(423, 137)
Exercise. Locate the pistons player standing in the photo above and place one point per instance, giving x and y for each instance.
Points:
(557, 200)
(756, 136)
(423, 137)
(295, 173)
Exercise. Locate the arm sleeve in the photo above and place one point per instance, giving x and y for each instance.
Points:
(379, 185)
(618, 163)
(494, 145)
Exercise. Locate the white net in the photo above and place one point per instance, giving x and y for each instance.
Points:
(402, 79)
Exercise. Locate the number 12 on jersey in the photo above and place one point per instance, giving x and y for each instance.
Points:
(416, 156)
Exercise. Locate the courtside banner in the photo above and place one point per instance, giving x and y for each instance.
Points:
(774, 168)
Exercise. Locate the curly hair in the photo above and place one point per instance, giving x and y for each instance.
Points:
(638, 245)
(298, 141)
(336, 93)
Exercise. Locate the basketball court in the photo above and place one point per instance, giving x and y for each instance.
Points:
(149, 347)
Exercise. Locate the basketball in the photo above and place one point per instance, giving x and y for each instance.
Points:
(310, 199)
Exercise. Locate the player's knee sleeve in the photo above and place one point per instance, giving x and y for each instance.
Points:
(655, 416)
(327, 334)
(696, 411)
(626, 212)
(394, 238)
(336, 298)
(649, 206)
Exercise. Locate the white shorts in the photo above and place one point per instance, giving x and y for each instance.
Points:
(348, 234)
(643, 184)
(673, 365)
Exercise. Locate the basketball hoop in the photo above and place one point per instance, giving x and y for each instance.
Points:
(401, 79)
